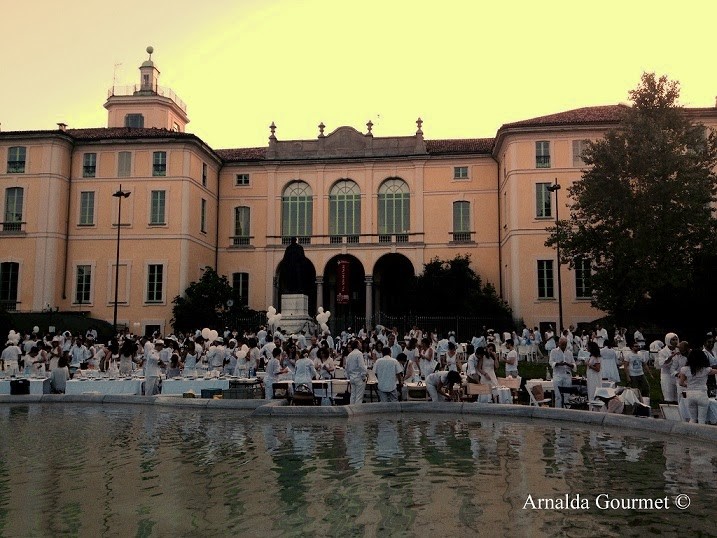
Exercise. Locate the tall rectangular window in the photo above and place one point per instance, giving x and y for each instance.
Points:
(242, 180)
(83, 284)
(543, 201)
(345, 211)
(157, 213)
(579, 147)
(135, 121)
(89, 165)
(205, 171)
(242, 216)
(155, 275)
(542, 154)
(16, 160)
(87, 208)
(203, 217)
(124, 164)
(583, 287)
(545, 279)
(240, 282)
(159, 163)
(13, 209)
(9, 279)
(462, 221)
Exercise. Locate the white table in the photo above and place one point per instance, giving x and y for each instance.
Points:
(105, 386)
(547, 384)
(38, 386)
(180, 385)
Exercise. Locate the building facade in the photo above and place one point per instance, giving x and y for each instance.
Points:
(368, 210)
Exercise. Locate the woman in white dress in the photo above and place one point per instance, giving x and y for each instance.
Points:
(453, 361)
(486, 366)
(593, 371)
(609, 364)
(126, 357)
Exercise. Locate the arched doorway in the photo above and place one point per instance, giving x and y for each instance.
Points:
(393, 283)
(345, 291)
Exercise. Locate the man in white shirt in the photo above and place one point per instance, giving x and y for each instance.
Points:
(394, 346)
(639, 338)
(562, 363)
(356, 372)
(151, 369)
(389, 374)
(511, 359)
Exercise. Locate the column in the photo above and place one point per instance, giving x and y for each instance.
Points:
(369, 301)
(319, 291)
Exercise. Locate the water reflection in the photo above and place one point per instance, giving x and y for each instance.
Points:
(130, 470)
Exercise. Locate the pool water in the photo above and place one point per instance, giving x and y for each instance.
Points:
(77, 470)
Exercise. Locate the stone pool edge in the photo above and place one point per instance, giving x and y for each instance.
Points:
(278, 408)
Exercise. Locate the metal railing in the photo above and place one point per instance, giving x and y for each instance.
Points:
(462, 237)
(353, 239)
(241, 240)
(138, 89)
(10, 227)
(542, 161)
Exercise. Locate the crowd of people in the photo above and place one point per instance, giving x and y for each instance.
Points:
(438, 361)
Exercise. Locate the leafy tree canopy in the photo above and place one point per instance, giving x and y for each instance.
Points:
(642, 213)
(209, 302)
(452, 287)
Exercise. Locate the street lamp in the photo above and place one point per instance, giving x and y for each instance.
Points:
(119, 195)
(555, 188)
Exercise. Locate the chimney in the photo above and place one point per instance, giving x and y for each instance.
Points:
(62, 127)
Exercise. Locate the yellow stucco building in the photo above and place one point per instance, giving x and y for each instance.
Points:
(368, 210)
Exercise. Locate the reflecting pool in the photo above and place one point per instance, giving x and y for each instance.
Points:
(72, 469)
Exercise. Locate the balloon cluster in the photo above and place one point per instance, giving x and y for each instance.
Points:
(209, 334)
(13, 337)
(242, 353)
(272, 317)
(322, 318)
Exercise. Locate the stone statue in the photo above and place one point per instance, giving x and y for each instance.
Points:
(292, 267)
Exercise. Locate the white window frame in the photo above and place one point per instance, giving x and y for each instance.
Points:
(151, 220)
(543, 200)
(160, 161)
(89, 164)
(203, 216)
(163, 283)
(542, 150)
(542, 281)
(91, 291)
(86, 218)
(17, 155)
(242, 180)
(464, 219)
(345, 206)
(458, 173)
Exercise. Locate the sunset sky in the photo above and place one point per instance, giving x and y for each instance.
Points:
(464, 67)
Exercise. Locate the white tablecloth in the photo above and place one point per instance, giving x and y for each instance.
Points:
(105, 386)
(179, 385)
(37, 386)
(546, 383)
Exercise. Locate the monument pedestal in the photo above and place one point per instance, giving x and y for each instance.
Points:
(295, 313)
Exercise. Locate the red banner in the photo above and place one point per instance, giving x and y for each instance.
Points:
(342, 282)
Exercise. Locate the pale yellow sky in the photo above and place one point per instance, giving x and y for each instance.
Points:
(465, 67)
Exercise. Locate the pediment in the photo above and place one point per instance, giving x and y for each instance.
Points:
(347, 141)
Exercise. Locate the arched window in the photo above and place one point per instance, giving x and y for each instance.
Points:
(344, 210)
(296, 212)
(394, 208)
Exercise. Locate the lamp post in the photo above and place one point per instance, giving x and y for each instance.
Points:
(555, 188)
(119, 195)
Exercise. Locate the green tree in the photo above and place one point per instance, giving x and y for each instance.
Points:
(642, 214)
(209, 302)
(450, 287)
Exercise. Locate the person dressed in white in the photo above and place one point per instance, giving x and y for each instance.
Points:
(594, 367)
(609, 363)
(562, 363)
(152, 368)
(664, 360)
(511, 359)
(636, 364)
(473, 362)
(639, 338)
(453, 361)
(10, 358)
(486, 366)
(427, 361)
(389, 374)
(326, 363)
(440, 384)
(273, 371)
(356, 372)
(304, 372)
(693, 380)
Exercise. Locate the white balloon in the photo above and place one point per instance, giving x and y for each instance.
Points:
(277, 317)
(36, 329)
(271, 310)
(213, 335)
(244, 348)
(324, 327)
(271, 319)
(212, 348)
(328, 315)
(241, 354)
(321, 310)
(205, 333)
